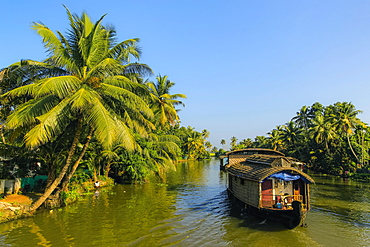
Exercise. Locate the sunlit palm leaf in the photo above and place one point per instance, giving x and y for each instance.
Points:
(27, 113)
(60, 86)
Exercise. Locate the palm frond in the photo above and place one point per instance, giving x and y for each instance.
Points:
(127, 98)
(60, 86)
(137, 68)
(27, 113)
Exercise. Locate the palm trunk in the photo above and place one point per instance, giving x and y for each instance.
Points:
(56, 182)
(2, 134)
(75, 165)
(107, 169)
(353, 151)
(51, 175)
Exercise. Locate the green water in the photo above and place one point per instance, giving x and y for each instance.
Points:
(192, 209)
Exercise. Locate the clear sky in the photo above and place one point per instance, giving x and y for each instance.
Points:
(246, 66)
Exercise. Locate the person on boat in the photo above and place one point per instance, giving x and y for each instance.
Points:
(288, 199)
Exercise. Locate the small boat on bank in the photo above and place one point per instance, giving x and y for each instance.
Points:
(269, 185)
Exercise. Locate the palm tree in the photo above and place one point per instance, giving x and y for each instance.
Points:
(233, 142)
(303, 118)
(159, 152)
(345, 117)
(260, 142)
(163, 103)
(292, 136)
(275, 139)
(205, 133)
(223, 142)
(246, 142)
(208, 145)
(195, 145)
(322, 131)
(85, 83)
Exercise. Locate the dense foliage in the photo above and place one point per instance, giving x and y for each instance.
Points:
(87, 107)
(330, 139)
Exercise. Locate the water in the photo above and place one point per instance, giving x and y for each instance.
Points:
(192, 209)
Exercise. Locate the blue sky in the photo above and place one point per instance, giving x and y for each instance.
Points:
(246, 66)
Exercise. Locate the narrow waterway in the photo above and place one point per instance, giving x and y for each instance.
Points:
(192, 209)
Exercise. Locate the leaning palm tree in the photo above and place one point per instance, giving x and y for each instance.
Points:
(163, 103)
(84, 83)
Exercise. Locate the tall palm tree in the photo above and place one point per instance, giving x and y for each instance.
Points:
(345, 117)
(85, 82)
(163, 103)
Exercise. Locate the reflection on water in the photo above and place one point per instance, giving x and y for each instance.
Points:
(192, 209)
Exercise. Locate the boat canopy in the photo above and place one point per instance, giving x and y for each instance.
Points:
(286, 176)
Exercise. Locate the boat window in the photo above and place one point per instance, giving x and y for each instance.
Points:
(242, 181)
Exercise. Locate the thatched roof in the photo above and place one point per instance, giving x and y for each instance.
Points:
(258, 167)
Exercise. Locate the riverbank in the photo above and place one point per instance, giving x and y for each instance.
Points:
(17, 206)
(14, 207)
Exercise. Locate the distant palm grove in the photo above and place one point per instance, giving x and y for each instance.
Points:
(89, 110)
(330, 139)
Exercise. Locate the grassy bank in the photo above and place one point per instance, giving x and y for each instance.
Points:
(17, 205)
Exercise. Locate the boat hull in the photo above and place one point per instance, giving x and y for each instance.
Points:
(289, 218)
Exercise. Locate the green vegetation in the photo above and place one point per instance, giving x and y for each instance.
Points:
(87, 110)
(329, 139)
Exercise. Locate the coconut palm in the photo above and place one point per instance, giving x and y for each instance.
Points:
(163, 103)
(275, 139)
(195, 145)
(223, 142)
(84, 83)
(345, 118)
(205, 133)
(322, 131)
(158, 152)
(245, 143)
(292, 137)
(233, 142)
(303, 118)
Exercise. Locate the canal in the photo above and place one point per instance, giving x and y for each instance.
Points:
(192, 209)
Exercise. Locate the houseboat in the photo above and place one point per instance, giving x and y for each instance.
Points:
(269, 185)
